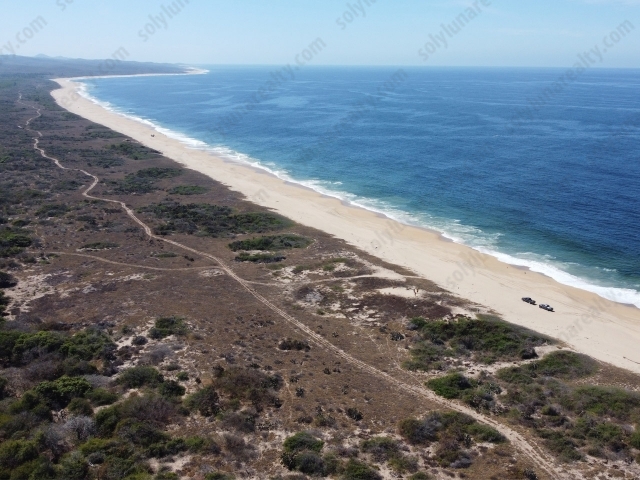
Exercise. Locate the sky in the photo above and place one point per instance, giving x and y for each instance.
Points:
(524, 33)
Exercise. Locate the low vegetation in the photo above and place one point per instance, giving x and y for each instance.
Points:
(167, 326)
(212, 220)
(73, 405)
(259, 258)
(134, 151)
(573, 420)
(118, 440)
(455, 433)
(290, 344)
(484, 339)
(13, 241)
(187, 190)
(144, 181)
(7, 280)
(271, 242)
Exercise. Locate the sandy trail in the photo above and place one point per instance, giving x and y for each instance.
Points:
(538, 456)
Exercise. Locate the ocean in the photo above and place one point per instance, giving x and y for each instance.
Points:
(512, 162)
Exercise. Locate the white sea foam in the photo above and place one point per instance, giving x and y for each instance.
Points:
(453, 230)
(627, 296)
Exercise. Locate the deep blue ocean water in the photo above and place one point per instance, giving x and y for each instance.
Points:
(461, 151)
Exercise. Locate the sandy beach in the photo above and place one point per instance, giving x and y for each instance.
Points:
(603, 329)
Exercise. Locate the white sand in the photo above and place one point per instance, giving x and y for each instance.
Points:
(588, 323)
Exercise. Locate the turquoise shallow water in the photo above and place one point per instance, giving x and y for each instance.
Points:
(555, 188)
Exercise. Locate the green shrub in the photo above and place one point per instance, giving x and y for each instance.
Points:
(150, 408)
(140, 376)
(165, 255)
(420, 476)
(634, 440)
(206, 401)
(58, 393)
(133, 184)
(74, 467)
(158, 173)
(7, 281)
(560, 445)
(32, 403)
(382, 448)
(52, 210)
(354, 414)
(355, 470)
(88, 345)
(171, 388)
(603, 401)
(301, 453)
(187, 190)
(4, 303)
(196, 444)
(485, 433)
(485, 339)
(13, 241)
(515, 375)
(94, 445)
(449, 453)
(43, 341)
(167, 326)
(16, 452)
(560, 364)
(40, 468)
(435, 425)
(250, 385)
(565, 365)
(203, 445)
(101, 397)
(400, 463)
(166, 476)
(139, 433)
(143, 181)
(308, 462)
(212, 220)
(260, 258)
(219, 476)
(290, 344)
(302, 441)
(80, 406)
(273, 242)
(182, 376)
(452, 385)
(420, 432)
(134, 151)
(75, 367)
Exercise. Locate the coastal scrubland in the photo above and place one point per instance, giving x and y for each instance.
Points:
(233, 343)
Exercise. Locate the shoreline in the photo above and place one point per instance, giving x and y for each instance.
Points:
(619, 294)
(601, 328)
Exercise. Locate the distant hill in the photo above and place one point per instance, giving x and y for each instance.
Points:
(68, 67)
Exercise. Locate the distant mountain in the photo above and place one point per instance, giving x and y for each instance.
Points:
(70, 67)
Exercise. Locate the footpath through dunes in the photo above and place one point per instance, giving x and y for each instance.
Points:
(529, 449)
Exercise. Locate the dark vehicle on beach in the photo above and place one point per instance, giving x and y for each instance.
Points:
(546, 307)
(529, 300)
